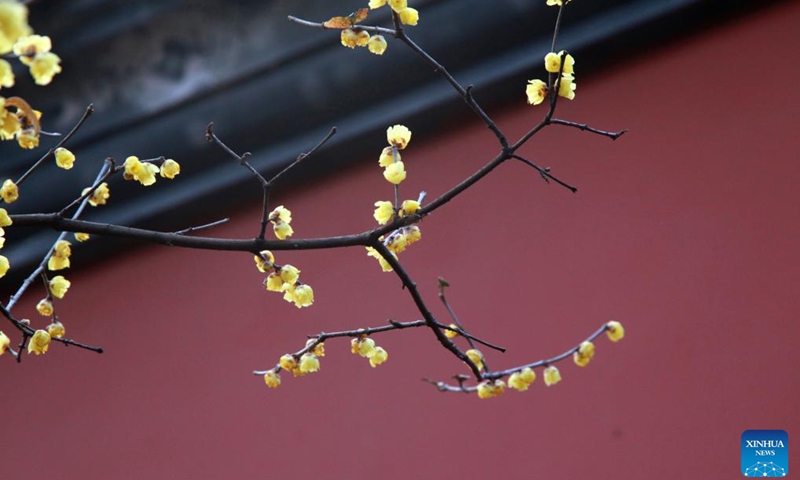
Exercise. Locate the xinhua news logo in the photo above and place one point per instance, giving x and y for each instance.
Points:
(765, 453)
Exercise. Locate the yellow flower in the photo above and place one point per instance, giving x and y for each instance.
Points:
(9, 191)
(396, 242)
(288, 362)
(398, 136)
(10, 124)
(289, 274)
(398, 5)
(412, 234)
(4, 343)
(552, 63)
(303, 296)
(536, 91)
(551, 375)
(4, 266)
(56, 330)
(371, 252)
(44, 67)
(45, 307)
(409, 16)
(143, 172)
(615, 331)
(64, 158)
(409, 207)
(282, 214)
(395, 173)
(476, 356)
(99, 195)
(362, 38)
(387, 156)
(373, 4)
(349, 38)
(378, 356)
(377, 45)
(556, 2)
(384, 212)
(13, 24)
(60, 257)
(6, 74)
(521, 380)
(170, 168)
(29, 46)
(81, 237)
(274, 283)
(584, 354)
(489, 389)
(319, 349)
(39, 342)
(5, 220)
(363, 346)
(264, 261)
(282, 230)
(59, 286)
(451, 333)
(309, 363)
(28, 138)
(272, 379)
(566, 87)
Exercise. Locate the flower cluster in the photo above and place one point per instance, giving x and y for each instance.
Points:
(144, 172)
(536, 90)
(281, 218)
(33, 51)
(285, 279)
(406, 14)
(356, 37)
(522, 379)
(59, 259)
(299, 365)
(583, 355)
(365, 347)
(5, 221)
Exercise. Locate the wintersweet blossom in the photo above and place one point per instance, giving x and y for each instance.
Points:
(363, 346)
(99, 196)
(45, 307)
(451, 333)
(143, 172)
(4, 343)
(521, 380)
(6, 74)
(282, 230)
(170, 168)
(373, 4)
(288, 362)
(489, 389)
(265, 260)
(289, 274)
(60, 257)
(409, 207)
(39, 342)
(318, 349)
(395, 173)
(556, 2)
(409, 16)
(5, 219)
(566, 87)
(615, 331)
(551, 375)
(362, 38)
(349, 38)
(27, 137)
(44, 67)
(81, 237)
(398, 136)
(387, 157)
(379, 356)
(274, 282)
(64, 158)
(536, 91)
(371, 252)
(4, 266)
(584, 354)
(552, 63)
(281, 217)
(377, 44)
(29, 46)
(56, 330)
(309, 363)
(384, 211)
(398, 5)
(476, 356)
(14, 21)
(272, 379)
(9, 191)
(303, 296)
(59, 286)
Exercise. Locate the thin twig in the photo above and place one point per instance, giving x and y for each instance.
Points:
(586, 128)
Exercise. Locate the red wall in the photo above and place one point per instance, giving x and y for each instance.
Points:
(685, 230)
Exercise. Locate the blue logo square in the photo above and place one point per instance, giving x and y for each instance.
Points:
(765, 453)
